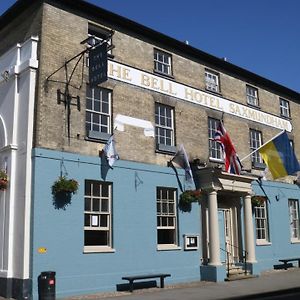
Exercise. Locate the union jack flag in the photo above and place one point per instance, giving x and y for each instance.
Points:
(231, 159)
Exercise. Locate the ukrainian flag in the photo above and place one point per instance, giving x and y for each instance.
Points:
(279, 156)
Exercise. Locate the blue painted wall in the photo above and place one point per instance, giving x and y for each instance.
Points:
(134, 226)
(280, 245)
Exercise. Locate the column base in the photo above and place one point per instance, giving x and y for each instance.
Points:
(213, 273)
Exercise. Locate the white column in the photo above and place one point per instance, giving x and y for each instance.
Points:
(214, 240)
(248, 230)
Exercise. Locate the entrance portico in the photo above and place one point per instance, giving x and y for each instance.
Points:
(227, 207)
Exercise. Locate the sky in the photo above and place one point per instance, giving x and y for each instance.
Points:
(261, 36)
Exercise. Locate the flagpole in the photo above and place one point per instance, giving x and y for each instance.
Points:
(277, 135)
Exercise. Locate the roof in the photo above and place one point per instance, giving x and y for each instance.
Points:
(81, 7)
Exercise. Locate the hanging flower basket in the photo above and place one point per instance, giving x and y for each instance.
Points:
(3, 180)
(64, 186)
(258, 200)
(189, 196)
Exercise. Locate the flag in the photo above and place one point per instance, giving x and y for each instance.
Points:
(110, 152)
(231, 159)
(279, 156)
(181, 159)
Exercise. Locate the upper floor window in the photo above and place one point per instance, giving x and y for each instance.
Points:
(97, 216)
(212, 81)
(294, 219)
(164, 126)
(284, 108)
(167, 231)
(215, 149)
(162, 62)
(261, 223)
(98, 113)
(255, 143)
(252, 95)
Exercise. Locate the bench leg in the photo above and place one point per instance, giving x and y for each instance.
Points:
(299, 263)
(162, 282)
(285, 265)
(131, 286)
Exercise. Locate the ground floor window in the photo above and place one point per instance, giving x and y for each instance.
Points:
(166, 217)
(294, 219)
(261, 223)
(97, 215)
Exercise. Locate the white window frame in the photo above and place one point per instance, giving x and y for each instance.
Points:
(255, 143)
(96, 111)
(162, 62)
(212, 81)
(284, 108)
(164, 124)
(294, 220)
(94, 216)
(261, 224)
(166, 204)
(252, 95)
(215, 148)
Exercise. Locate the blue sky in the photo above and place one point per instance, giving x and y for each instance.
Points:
(262, 36)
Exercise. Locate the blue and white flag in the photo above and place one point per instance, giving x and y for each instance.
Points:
(110, 152)
(182, 160)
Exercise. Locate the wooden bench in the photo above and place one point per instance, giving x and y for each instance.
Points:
(287, 260)
(131, 279)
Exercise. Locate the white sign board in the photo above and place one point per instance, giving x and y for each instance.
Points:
(171, 88)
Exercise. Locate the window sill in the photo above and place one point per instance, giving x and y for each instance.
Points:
(285, 117)
(168, 247)
(295, 241)
(263, 243)
(98, 249)
(216, 160)
(167, 76)
(218, 93)
(259, 166)
(161, 148)
(95, 136)
(254, 106)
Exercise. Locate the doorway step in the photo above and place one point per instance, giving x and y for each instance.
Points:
(238, 273)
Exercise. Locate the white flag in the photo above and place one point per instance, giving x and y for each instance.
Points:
(110, 152)
(182, 160)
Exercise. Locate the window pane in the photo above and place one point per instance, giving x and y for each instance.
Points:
(87, 220)
(104, 205)
(95, 238)
(87, 204)
(96, 205)
(96, 189)
(105, 190)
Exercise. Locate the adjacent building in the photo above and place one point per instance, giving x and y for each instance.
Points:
(127, 219)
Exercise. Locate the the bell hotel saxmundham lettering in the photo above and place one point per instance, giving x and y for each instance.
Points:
(98, 65)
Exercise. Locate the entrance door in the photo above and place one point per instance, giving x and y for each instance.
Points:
(226, 235)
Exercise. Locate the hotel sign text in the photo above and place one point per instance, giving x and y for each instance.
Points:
(149, 81)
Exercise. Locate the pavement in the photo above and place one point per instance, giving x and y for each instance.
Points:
(266, 286)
